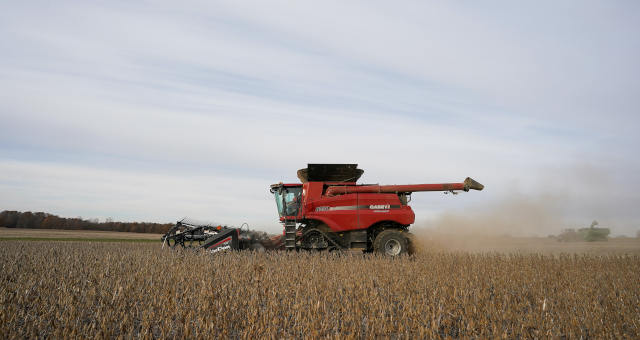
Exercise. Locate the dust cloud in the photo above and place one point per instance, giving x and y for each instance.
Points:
(527, 218)
(515, 215)
(507, 224)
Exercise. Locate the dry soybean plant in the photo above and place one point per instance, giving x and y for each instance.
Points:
(110, 290)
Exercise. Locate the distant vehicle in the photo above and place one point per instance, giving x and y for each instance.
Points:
(590, 234)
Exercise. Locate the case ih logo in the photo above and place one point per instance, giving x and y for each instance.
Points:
(222, 245)
(380, 207)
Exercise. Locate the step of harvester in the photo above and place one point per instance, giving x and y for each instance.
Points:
(290, 235)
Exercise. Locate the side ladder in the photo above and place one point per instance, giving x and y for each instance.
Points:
(290, 235)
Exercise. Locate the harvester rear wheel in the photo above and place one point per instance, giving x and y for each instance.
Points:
(391, 242)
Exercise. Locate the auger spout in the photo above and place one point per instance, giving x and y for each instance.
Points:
(468, 184)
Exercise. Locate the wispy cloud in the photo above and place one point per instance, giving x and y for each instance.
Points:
(224, 98)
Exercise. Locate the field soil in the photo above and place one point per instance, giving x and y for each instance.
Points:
(524, 245)
(80, 234)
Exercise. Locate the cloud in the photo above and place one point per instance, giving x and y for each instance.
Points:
(240, 94)
(71, 190)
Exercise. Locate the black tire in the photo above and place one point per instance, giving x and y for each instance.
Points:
(391, 242)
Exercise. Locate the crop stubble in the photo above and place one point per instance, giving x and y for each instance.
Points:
(118, 289)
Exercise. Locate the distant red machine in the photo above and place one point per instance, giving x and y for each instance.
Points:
(329, 211)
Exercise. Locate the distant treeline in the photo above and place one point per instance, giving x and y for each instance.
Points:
(41, 220)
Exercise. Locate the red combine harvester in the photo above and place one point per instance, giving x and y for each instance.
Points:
(329, 211)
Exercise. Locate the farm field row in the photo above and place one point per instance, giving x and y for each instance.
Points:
(83, 289)
(425, 240)
(525, 245)
(60, 234)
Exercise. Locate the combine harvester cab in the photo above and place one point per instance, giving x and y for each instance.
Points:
(328, 210)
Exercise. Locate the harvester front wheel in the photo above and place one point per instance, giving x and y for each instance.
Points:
(391, 242)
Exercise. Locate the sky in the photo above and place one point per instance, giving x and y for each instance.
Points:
(152, 111)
